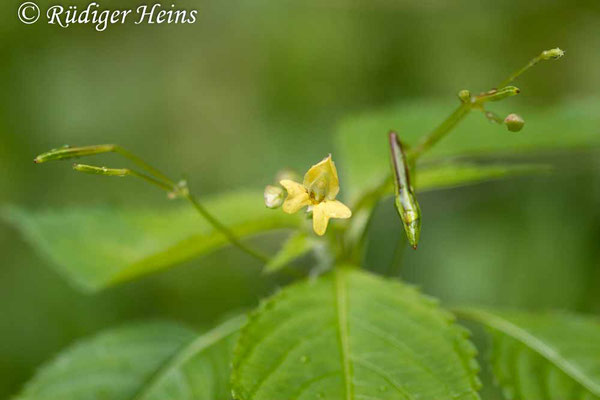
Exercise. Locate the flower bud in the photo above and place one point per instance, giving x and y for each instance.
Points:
(464, 96)
(552, 54)
(514, 122)
(274, 196)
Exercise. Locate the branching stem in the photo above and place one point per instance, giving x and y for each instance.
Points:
(468, 103)
(156, 178)
(172, 187)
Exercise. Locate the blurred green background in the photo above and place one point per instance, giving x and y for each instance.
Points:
(258, 85)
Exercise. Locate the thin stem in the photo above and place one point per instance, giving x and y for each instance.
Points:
(151, 180)
(412, 154)
(442, 130)
(516, 74)
(158, 179)
(170, 186)
(454, 119)
(206, 215)
(219, 226)
(431, 139)
(493, 117)
(142, 164)
(552, 54)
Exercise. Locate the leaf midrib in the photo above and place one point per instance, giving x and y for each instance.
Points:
(341, 308)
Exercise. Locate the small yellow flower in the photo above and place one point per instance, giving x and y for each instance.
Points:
(318, 191)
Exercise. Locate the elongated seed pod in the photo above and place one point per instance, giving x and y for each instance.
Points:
(92, 169)
(499, 94)
(404, 199)
(73, 152)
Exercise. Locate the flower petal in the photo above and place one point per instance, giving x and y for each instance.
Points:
(325, 210)
(322, 179)
(297, 196)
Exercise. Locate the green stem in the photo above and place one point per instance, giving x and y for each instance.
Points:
(516, 74)
(151, 180)
(224, 230)
(440, 131)
(141, 163)
(368, 200)
(157, 178)
(172, 186)
(425, 144)
(552, 54)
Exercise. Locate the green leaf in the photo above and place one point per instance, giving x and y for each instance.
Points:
(351, 335)
(101, 246)
(364, 156)
(453, 174)
(297, 245)
(550, 356)
(146, 361)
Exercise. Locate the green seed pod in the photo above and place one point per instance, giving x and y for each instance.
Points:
(73, 152)
(514, 122)
(464, 96)
(90, 169)
(495, 95)
(405, 199)
(274, 196)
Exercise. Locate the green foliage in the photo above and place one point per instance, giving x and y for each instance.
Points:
(362, 145)
(453, 174)
(551, 356)
(98, 247)
(146, 361)
(297, 245)
(345, 335)
(352, 335)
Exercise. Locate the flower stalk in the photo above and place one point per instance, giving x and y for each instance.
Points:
(156, 178)
(468, 103)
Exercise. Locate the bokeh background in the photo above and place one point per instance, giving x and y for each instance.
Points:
(256, 85)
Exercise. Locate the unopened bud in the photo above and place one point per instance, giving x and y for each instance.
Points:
(274, 196)
(552, 54)
(514, 122)
(464, 96)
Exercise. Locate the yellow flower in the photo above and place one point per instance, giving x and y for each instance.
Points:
(318, 191)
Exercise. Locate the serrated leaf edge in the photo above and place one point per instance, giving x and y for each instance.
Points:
(466, 350)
